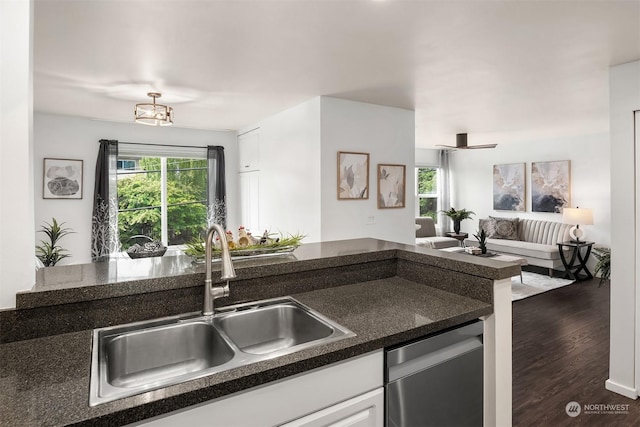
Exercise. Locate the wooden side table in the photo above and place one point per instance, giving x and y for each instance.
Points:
(458, 236)
(572, 268)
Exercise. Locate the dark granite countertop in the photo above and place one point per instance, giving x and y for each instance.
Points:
(45, 381)
(112, 279)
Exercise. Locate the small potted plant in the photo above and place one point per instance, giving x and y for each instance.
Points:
(603, 266)
(482, 240)
(458, 216)
(50, 253)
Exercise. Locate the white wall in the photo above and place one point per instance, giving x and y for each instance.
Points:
(17, 266)
(427, 157)
(472, 185)
(77, 138)
(388, 135)
(289, 151)
(298, 169)
(624, 98)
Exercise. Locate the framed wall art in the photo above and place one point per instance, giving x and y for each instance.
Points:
(550, 186)
(353, 176)
(391, 186)
(62, 179)
(509, 187)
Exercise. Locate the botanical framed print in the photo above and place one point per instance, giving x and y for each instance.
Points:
(391, 186)
(62, 179)
(550, 186)
(353, 176)
(509, 187)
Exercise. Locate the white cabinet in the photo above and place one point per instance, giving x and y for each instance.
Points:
(366, 410)
(249, 151)
(340, 394)
(249, 181)
(250, 202)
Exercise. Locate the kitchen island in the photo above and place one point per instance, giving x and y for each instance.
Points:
(384, 292)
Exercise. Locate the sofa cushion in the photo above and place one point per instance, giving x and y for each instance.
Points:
(502, 228)
(544, 232)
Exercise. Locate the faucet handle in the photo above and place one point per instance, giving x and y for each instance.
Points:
(220, 291)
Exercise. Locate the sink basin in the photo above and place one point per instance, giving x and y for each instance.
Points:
(273, 328)
(142, 356)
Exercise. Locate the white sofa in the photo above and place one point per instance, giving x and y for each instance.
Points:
(536, 241)
(426, 235)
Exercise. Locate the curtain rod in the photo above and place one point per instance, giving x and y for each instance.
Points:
(163, 145)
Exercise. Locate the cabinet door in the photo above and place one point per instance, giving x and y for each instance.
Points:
(293, 398)
(250, 202)
(248, 151)
(366, 410)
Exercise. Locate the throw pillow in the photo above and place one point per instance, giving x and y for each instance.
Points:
(503, 228)
(484, 224)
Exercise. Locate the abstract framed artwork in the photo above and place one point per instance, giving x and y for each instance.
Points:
(550, 186)
(353, 176)
(391, 186)
(509, 187)
(62, 179)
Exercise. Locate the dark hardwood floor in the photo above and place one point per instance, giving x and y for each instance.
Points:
(561, 355)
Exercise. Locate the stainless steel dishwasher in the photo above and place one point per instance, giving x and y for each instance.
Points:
(436, 381)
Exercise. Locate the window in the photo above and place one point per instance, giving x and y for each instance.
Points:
(127, 163)
(162, 198)
(427, 192)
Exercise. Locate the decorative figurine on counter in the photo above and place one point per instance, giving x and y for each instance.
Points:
(243, 238)
(253, 241)
(230, 242)
(264, 238)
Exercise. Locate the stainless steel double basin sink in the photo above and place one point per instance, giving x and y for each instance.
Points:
(143, 356)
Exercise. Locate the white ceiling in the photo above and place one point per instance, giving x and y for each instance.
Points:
(499, 70)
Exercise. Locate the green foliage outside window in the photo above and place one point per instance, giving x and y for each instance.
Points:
(428, 185)
(139, 200)
(427, 181)
(429, 207)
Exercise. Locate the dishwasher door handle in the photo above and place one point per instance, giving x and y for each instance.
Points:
(433, 358)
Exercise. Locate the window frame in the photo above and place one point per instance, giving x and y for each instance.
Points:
(436, 195)
(169, 153)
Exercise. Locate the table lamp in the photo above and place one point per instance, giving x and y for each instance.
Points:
(578, 217)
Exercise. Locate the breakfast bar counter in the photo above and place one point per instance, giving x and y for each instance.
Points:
(45, 379)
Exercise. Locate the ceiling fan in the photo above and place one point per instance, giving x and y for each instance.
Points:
(461, 143)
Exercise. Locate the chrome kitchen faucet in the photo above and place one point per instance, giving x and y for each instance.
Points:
(211, 293)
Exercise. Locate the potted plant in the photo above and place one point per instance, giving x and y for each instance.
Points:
(603, 266)
(50, 253)
(458, 216)
(482, 240)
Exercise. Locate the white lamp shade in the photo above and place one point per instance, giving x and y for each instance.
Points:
(579, 216)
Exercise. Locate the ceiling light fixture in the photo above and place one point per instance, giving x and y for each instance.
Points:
(154, 114)
(461, 143)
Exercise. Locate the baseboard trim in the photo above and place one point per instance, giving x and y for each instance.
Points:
(620, 389)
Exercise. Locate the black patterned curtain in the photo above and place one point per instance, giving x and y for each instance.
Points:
(104, 222)
(217, 187)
